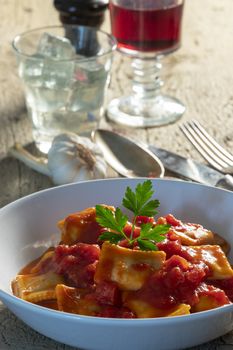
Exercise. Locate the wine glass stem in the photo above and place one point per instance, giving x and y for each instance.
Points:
(146, 82)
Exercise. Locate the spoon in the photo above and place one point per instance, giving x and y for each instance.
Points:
(127, 157)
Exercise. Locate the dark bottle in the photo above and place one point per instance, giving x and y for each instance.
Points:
(82, 12)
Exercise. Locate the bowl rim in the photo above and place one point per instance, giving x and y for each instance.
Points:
(135, 179)
(114, 321)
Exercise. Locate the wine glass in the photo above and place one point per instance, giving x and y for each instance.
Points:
(146, 30)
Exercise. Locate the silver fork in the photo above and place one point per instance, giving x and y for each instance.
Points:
(205, 144)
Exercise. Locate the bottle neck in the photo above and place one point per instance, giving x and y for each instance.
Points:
(82, 12)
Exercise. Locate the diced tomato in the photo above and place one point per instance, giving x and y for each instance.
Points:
(173, 247)
(156, 293)
(140, 220)
(170, 247)
(86, 253)
(226, 285)
(81, 276)
(175, 283)
(215, 293)
(197, 273)
(108, 293)
(174, 277)
(128, 230)
(172, 236)
(77, 263)
(176, 261)
(171, 220)
(125, 243)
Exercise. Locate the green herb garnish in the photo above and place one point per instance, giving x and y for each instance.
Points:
(141, 204)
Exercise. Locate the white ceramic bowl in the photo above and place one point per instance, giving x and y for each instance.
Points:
(28, 224)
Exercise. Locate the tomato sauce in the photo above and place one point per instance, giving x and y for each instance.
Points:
(184, 277)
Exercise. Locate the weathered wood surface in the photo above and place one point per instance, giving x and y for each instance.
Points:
(200, 74)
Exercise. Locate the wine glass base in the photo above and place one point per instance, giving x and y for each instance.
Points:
(136, 113)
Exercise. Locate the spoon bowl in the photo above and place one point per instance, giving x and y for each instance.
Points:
(127, 157)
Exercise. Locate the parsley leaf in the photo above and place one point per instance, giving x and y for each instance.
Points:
(140, 203)
(155, 233)
(110, 236)
(146, 245)
(107, 218)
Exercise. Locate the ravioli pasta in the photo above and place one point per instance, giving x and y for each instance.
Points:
(188, 273)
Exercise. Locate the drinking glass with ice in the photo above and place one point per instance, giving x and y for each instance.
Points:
(65, 74)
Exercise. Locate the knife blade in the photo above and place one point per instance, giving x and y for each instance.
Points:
(191, 169)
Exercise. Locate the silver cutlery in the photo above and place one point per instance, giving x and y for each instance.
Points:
(126, 156)
(206, 145)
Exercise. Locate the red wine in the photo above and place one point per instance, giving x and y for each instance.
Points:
(147, 30)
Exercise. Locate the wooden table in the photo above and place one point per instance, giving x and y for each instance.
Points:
(200, 74)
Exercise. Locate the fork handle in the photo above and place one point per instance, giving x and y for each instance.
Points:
(226, 182)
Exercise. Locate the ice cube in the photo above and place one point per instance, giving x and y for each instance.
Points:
(30, 70)
(51, 74)
(89, 86)
(55, 47)
(46, 100)
(56, 74)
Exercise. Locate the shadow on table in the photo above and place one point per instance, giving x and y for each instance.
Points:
(17, 180)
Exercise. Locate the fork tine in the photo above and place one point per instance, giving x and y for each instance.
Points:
(208, 147)
(219, 150)
(199, 145)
